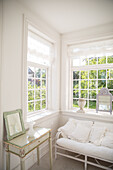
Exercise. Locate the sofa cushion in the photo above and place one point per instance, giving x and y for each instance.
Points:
(108, 126)
(70, 126)
(107, 140)
(67, 129)
(88, 149)
(80, 133)
(96, 135)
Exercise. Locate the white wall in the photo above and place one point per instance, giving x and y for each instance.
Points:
(1, 115)
(95, 33)
(12, 63)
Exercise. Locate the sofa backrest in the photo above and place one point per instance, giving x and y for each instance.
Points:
(108, 126)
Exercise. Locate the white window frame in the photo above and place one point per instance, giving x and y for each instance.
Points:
(36, 65)
(24, 70)
(86, 68)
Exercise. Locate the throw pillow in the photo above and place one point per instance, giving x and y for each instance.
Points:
(80, 133)
(96, 135)
(67, 129)
(107, 140)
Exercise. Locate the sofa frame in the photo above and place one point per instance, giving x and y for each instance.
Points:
(95, 161)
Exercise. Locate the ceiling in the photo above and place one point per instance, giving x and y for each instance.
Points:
(72, 15)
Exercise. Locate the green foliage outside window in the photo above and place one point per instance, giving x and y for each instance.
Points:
(92, 74)
(110, 59)
(31, 106)
(75, 74)
(37, 105)
(102, 60)
(84, 74)
(75, 84)
(101, 74)
(84, 84)
(92, 60)
(92, 84)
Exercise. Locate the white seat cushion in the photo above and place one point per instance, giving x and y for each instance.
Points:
(88, 149)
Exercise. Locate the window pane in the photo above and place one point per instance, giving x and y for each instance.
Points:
(84, 84)
(75, 84)
(84, 93)
(30, 83)
(37, 105)
(101, 74)
(102, 60)
(75, 74)
(86, 104)
(75, 103)
(43, 94)
(31, 72)
(111, 74)
(108, 73)
(92, 94)
(30, 95)
(92, 84)
(101, 83)
(84, 74)
(110, 59)
(43, 83)
(92, 104)
(84, 61)
(92, 60)
(43, 104)
(92, 74)
(43, 73)
(30, 106)
(76, 62)
(38, 73)
(37, 83)
(111, 92)
(37, 94)
(110, 84)
(75, 94)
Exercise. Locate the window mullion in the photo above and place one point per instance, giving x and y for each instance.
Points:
(88, 90)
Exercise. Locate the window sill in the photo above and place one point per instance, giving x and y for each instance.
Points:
(89, 114)
(40, 116)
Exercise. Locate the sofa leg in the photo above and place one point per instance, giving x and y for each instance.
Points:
(55, 152)
(85, 162)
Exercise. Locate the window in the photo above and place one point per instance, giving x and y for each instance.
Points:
(39, 57)
(92, 69)
(37, 89)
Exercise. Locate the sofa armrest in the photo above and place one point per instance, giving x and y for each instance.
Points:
(59, 135)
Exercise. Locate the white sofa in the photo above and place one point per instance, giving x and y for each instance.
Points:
(90, 142)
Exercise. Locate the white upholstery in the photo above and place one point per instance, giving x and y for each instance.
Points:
(80, 133)
(107, 140)
(68, 128)
(87, 148)
(108, 126)
(97, 134)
